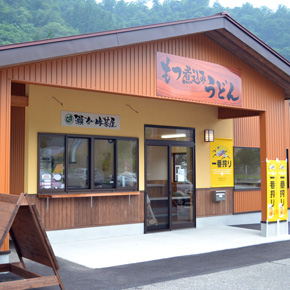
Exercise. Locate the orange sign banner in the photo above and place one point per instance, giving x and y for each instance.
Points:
(195, 80)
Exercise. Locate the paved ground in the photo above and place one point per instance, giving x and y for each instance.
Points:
(263, 266)
(269, 275)
(98, 253)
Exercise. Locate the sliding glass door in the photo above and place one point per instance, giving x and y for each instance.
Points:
(170, 186)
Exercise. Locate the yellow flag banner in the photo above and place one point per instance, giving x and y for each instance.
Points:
(272, 191)
(282, 189)
(221, 163)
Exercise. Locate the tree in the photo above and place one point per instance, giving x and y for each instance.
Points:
(26, 20)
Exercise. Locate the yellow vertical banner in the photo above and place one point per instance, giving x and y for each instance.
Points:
(221, 163)
(282, 190)
(272, 191)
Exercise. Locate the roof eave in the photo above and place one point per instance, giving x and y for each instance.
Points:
(19, 55)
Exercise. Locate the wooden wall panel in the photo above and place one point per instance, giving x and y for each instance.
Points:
(206, 207)
(5, 114)
(287, 136)
(68, 213)
(5, 103)
(247, 201)
(132, 71)
(17, 150)
(247, 132)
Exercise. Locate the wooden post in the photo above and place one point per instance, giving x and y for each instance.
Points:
(5, 115)
(263, 157)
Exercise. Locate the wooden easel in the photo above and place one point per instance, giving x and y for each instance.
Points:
(20, 219)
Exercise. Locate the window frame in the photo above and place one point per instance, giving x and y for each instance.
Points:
(245, 189)
(189, 129)
(91, 188)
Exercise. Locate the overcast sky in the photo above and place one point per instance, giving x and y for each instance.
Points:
(272, 4)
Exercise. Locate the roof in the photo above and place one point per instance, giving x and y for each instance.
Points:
(221, 28)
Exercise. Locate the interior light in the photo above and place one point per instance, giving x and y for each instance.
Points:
(208, 135)
(171, 136)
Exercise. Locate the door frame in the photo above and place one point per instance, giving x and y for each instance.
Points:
(169, 144)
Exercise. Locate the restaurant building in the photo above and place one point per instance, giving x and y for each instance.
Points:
(108, 132)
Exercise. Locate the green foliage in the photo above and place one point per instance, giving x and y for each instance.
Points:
(27, 20)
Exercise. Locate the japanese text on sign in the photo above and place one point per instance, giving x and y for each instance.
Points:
(184, 78)
(272, 191)
(277, 207)
(282, 188)
(90, 120)
(221, 163)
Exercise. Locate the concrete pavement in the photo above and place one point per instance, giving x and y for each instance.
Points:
(124, 250)
(252, 262)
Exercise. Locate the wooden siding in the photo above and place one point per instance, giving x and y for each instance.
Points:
(206, 207)
(17, 150)
(247, 132)
(68, 213)
(287, 136)
(132, 71)
(227, 113)
(18, 89)
(247, 201)
(5, 102)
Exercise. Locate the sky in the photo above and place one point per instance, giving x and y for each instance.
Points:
(272, 4)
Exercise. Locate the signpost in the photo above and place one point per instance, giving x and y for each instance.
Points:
(277, 207)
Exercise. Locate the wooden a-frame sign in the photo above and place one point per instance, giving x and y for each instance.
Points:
(20, 219)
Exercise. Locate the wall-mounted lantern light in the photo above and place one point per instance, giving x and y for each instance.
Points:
(208, 135)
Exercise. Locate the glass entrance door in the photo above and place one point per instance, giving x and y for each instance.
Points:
(182, 199)
(170, 202)
(157, 198)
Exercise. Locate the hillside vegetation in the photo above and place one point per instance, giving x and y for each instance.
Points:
(28, 20)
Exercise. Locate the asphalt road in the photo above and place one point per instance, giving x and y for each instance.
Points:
(265, 266)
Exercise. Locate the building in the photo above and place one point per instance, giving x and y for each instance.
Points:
(106, 130)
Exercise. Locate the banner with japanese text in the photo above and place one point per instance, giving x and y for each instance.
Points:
(221, 163)
(282, 189)
(277, 205)
(194, 80)
(272, 191)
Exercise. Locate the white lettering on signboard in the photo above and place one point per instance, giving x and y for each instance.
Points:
(90, 120)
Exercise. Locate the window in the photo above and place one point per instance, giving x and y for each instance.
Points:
(87, 163)
(180, 167)
(247, 168)
(167, 133)
(127, 166)
(78, 163)
(51, 162)
(104, 157)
